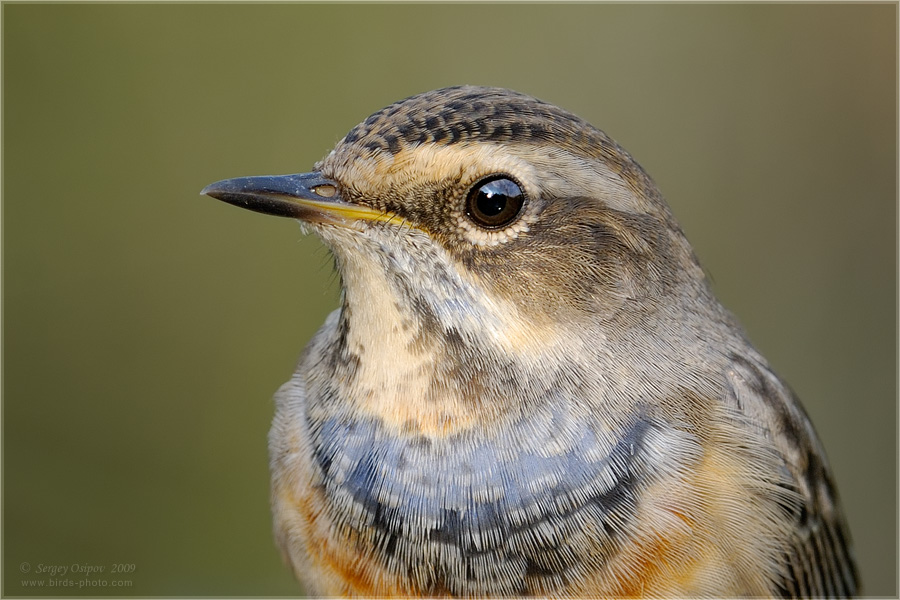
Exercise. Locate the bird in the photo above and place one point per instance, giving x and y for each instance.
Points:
(529, 387)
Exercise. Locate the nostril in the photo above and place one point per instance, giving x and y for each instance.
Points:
(326, 191)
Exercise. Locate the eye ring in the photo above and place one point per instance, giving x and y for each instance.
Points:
(495, 201)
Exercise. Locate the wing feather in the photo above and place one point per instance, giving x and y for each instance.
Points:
(818, 558)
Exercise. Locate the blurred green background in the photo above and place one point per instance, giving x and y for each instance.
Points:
(146, 327)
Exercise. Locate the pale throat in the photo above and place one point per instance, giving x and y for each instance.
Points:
(396, 363)
(397, 334)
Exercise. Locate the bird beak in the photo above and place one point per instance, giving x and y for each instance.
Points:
(309, 197)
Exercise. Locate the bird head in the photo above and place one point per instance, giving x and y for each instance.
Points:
(484, 225)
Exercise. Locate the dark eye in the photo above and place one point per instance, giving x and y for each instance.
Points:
(494, 202)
